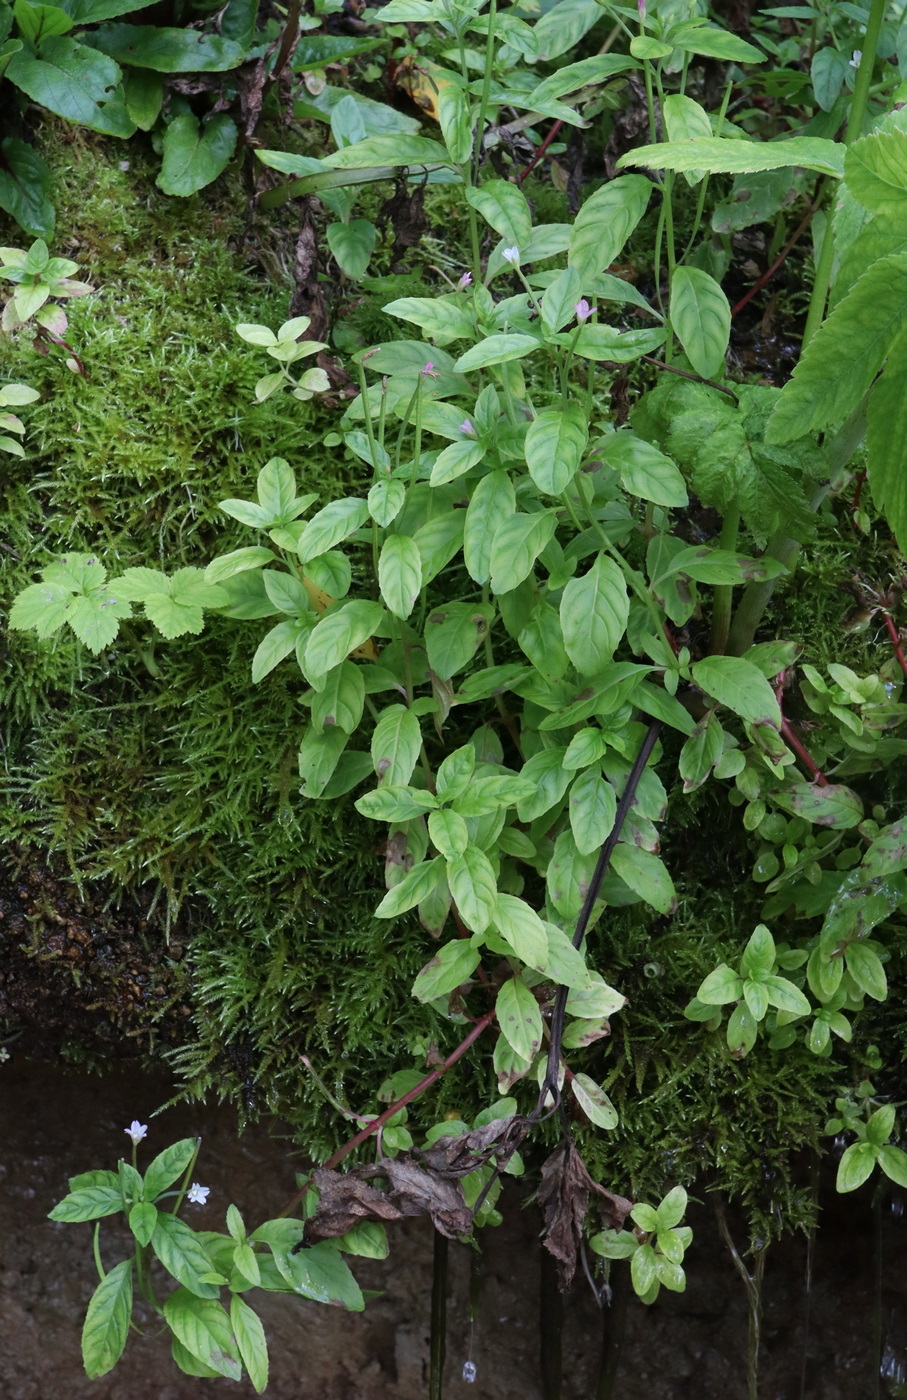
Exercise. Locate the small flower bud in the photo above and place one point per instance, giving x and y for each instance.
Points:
(583, 310)
(464, 282)
(512, 255)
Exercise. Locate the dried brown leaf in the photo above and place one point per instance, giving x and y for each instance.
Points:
(563, 1196)
(458, 1156)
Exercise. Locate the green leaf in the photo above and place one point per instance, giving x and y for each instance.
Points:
(707, 565)
(182, 1255)
(486, 795)
(646, 875)
(522, 928)
(724, 155)
(593, 807)
(90, 1203)
(595, 1000)
(888, 852)
(456, 460)
(412, 889)
(672, 1208)
(25, 185)
(742, 1030)
(620, 347)
(887, 441)
(876, 171)
(203, 1327)
(561, 299)
(473, 885)
(368, 1239)
(493, 501)
(442, 319)
(505, 207)
(740, 686)
(496, 350)
(400, 574)
(93, 11)
(398, 149)
(694, 36)
(555, 444)
(594, 1102)
(438, 541)
(74, 81)
(237, 562)
(564, 24)
(594, 611)
(144, 94)
(828, 70)
(880, 1125)
(341, 699)
(826, 385)
(352, 245)
(549, 780)
(396, 741)
(856, 1165)
(519, 1018)
(834, 805)
(339, 632)
(759, 954)
(449, 834)
(573, 76)
(167, 50)
(331, 525)
(701, 317)
(784, 996)
(276, 646)
(615, 1244)
(567, 967)
(894, 1164)
(644, 471)
(452, 635)
(107, 1321)
(385, 500)
(251, 1342)
(865, 967)
(517, 543)
(451, 966)
(642, 1269)
(455, 772)
(142, 1220)
(720, 987)
(605, 222)
(396, 804)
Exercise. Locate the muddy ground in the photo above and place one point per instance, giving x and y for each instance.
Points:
(689, 1347)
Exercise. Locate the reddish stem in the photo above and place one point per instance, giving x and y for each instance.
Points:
(383, 1118)
(767, 276)
(895, 641)
(790, 738)
(555, 128)
(859, 491)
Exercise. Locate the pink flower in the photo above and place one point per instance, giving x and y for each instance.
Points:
(466, 428)
(583, 310)
(464, 282)
(429, 371)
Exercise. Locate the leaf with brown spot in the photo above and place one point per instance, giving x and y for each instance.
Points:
(458, 1156)
(345, 1199)
(563, 1196)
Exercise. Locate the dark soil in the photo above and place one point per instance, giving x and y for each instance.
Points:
(688, 1347)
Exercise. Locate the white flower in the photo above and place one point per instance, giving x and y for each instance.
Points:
(857, 55)
(198, 1195)
(512, 255)
(136, 1130)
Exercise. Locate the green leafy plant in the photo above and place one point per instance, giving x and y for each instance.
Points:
(655, 1248)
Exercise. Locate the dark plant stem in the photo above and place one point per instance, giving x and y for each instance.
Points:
(540, 152)
(877, 1269)
(779, 260)
(551, 1329)
(289, 40)
(810, 1256)
(438, 1343)
(417, 1090)
(615, 1321)
(550, 1082)
(790, 738)
(688, 374)
(752, 1282)
(895, 641)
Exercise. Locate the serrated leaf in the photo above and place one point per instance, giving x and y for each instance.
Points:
(723, 155)
(106, 1323)
(827, 386)
(875, 169)
(887, 441)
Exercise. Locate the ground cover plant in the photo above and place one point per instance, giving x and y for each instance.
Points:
(543, 620)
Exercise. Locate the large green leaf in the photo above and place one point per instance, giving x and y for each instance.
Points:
(722, 155)
(250, 1339)
(605, 222)
(564, 24)
(74, 81)
(517, 544)
(195, 153)
(93, 11)
(876, 171)
(452, 965)
(554, 447)
(180, 1251)
(644, 471)
(474, 888)
(740, 686)
(846, 353)
(25, 183)
(505, 208)
(107, 1321)
(396, 742)
(203, 1327)
(388, 150)
(646, 875)
(701, 317)
(519, 1018)
(887, 441)
(493, 501)
(167, 50)
(400, 574)
(594, 611)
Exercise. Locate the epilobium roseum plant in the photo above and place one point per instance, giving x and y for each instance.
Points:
(492, 636)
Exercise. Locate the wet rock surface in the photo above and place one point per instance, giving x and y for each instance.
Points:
(686, 1347)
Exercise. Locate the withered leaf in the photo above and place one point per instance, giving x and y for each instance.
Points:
(345, 1199)
(458, 1156)
(563, 1196)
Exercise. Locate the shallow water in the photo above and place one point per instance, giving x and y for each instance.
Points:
(688, 1347)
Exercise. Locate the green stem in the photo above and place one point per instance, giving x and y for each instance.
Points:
(184, 1185)
(723, 599)
(486, 92)
(96, 1249)
(854, 128)
(367, 411)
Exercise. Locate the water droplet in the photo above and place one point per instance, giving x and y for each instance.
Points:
(469, 1371)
